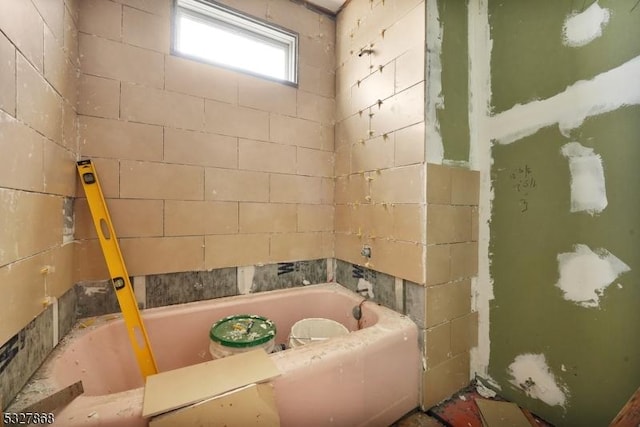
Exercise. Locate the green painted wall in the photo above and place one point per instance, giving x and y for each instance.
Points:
(454, 117)
(599, 348)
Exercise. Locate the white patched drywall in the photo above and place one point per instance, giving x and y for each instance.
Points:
(588, 189)
(434, 98)
(582, 28)
(585, 274)
(531, 374)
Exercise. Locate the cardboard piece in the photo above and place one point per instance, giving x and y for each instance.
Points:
(501, 414)
(185, 386)
(253, 405)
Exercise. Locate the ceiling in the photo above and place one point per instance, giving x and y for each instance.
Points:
(332, 5)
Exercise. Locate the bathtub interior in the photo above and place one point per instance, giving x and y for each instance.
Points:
(101, 356)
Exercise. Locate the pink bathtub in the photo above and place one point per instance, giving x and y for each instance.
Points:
(369, 377)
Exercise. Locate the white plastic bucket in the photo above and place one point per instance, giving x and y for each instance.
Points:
(315, 329)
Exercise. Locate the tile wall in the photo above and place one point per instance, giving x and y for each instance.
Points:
(203, 168)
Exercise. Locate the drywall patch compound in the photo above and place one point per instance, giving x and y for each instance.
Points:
(435, 100)
(588, 190)
(531, 374)
(585, 274)
(582, 28)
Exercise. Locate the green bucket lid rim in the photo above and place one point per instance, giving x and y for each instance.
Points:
(270, 334)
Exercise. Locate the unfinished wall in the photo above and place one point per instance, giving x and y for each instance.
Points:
(203, 168)
(380, 169)
(38, 62)
(563, 232)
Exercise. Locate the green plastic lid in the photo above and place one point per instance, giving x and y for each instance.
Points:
(243, 330)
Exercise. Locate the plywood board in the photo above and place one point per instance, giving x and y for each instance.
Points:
(501, 414)
(181, 387)
(253, 405)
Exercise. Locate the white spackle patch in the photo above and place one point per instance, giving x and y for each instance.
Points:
(531, 374)
(588, 190)
(365, 288)
(245, 276)
(604, 93)
(582, 28)
(435, 100)
(584, 274)
(485, 391)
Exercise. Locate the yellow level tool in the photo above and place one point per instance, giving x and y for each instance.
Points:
(117, 270)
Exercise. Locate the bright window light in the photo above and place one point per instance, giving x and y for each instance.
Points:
(210, 32)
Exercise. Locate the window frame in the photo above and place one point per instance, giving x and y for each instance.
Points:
(242, 23)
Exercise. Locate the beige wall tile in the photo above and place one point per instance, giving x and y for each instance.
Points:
(257, 8)
(443, 380)
(465, 187)
(107, 58)
(98, 97)
(464, 260)
(374, 221)
(317, 52)
(400, 259)
(395, 41)
(236, 250)
(266, 95)
(403, 109)
(108, 171)
(314, 162)
(22, 24)
(69, 127)
(157, 7)
(352, 130)
(157, 255)
(54, 62)
(145, 30)
(198, 79)
(464, 333)
(376, 87)
(315, 107)
(120, 140)
(327, 190)
(38, 104)
(475, 223)
(52, 11)
(409, 145)
(300, 132)
(328, 245)
(59, 170)
(29, 223)
(447, 302)
(348, 248)
(199, 148)
(145, 180)
(296, 246)
(438, 264)
(7, 76)
(438, 184)
(88, 261)
(101, 18)
(342, 160)
(26, 147)
(194, 218)
(235, 185)
(267, 218)
(266, 157)
(130, 218)
(315, 218)
(69, 89)
(156, 106)
(60, 279)
(409, 223)
(438, 344)
(22, 287)
(236, 121)
(316, 79)
(295, 17)
(448, 224)
(342, 222)
(410, 69)
(71, 39)
(372, 154)
(352, 189)
(399, 185)
(295, 189)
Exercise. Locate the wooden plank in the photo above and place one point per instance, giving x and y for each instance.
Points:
(57, 400)
(253, 405)
(181, 387)
(629, 415)
(501, 414)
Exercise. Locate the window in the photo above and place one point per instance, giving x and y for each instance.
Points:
(207, 31)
